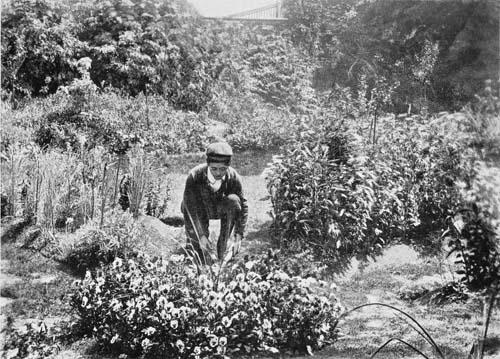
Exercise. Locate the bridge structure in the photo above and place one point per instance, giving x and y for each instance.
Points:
(267, 13)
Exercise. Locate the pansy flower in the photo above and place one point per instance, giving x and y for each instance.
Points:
(180, 345)
(223, 341)
(169, 306)
(213, 341)
(221, 350)
(146, 343)
(226, 321)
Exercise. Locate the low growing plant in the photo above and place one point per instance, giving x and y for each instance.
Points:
(35, 342)
(163, 308)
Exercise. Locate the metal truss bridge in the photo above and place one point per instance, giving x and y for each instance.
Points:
(266, 13)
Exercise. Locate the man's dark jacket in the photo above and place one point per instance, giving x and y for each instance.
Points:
(200, 199)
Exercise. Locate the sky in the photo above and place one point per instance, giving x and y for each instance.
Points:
(227, 7)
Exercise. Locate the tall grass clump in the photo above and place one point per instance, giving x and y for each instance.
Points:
(57, 172)
(145, 188)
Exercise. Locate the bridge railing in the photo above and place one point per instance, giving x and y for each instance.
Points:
(272, 11)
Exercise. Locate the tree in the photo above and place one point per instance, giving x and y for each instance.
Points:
(440, 52)
(38, 48)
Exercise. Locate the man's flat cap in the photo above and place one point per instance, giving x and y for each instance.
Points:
(219, 152)
(219, 149)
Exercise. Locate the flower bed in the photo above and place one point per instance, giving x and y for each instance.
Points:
(166, 308)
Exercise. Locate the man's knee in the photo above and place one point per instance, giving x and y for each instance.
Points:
(232, 203)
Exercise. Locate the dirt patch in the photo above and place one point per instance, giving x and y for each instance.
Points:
(41, 278)
(159, 238)
(5, 301)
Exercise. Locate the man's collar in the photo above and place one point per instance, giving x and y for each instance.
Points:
(211, 177)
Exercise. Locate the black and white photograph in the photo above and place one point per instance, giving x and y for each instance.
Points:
(250, 179)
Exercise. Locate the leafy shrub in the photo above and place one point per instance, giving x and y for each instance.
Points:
(279, 73)
(442, 173)
(265, 128)
(117, 122)
(416, 170)
(165, 308)
(38, 48)
(95, 246)
(157, 50)
(258, 92)
(477, 230)
(323, 196)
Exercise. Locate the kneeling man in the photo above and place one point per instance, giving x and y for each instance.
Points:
(214, 191)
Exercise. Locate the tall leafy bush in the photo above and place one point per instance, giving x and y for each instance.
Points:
(323, 196)
(39, 47)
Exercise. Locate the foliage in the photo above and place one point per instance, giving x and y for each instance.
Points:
(63, 190)
(157, 198)
(279, 74)
(79, 117)
(164, 308)
(144, 189)
(439, 54)
(442, 173)
(476, 223)
(38, 48)
(265, 82)
(259, 127)
(323, 196)
(405, 186)
(148, 47)
(100, 245)
(41, 185)
(417, 170)
(35, 342)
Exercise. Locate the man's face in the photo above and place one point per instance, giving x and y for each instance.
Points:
(218, 170)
